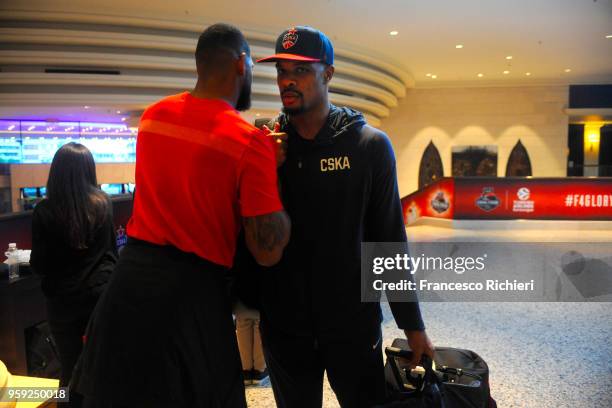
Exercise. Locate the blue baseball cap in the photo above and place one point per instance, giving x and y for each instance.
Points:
(302, 43)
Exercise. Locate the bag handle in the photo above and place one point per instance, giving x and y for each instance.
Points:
(392, 353)
(431, 392)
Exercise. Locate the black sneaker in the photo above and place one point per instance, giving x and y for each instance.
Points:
(259, 376)
(248, 377)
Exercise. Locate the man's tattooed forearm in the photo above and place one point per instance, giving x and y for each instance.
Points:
(266, 230)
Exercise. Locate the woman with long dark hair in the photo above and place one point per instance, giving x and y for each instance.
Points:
(73, 248)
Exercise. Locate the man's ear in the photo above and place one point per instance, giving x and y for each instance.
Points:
(241, 64)
(328, 73)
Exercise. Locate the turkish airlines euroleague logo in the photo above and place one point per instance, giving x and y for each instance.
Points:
(290, 38)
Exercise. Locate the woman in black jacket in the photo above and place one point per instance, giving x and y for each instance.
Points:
(73, 248)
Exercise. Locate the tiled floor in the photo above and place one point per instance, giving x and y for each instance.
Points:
(540, 355)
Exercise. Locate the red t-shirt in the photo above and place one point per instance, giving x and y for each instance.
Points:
(200, 167)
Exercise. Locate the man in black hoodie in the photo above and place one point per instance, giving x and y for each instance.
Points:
(338, 184)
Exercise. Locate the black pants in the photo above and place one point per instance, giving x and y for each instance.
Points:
(354, 368)
(161, 335)
(67, 324)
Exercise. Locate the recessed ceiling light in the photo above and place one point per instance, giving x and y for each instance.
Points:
(258, 114)
(427, 75)
(528, 73)
(393, 33)
(118, 112)
(506, 72)
(434, 76)
(459, 46)
(480, 75)
(123, 119)
(567, 70)
(86, 107)
(509, 57)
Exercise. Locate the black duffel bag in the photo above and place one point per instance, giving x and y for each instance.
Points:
(458, 379)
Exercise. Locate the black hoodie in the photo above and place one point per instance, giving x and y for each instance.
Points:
(339, 189)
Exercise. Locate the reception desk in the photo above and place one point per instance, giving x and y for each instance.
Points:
(22, 304)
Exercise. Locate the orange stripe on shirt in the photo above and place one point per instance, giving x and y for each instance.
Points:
(216, 141)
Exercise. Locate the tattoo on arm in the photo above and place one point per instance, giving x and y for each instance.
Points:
(268, 230)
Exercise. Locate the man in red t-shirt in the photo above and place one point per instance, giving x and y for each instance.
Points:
(162, 335)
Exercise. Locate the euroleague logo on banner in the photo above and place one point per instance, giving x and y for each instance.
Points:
(290, 38)
(488, 200)
(523, 204)
(523, 193)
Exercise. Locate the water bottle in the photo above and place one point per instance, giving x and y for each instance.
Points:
(13, 263)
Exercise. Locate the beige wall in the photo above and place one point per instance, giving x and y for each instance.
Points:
(479, 116)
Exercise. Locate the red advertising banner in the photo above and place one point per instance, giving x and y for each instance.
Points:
(435, 200)
(515, 198)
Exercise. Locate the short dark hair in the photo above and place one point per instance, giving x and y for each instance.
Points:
(216, 41)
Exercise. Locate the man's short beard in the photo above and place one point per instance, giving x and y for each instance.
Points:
(244, 99)
(294, 111)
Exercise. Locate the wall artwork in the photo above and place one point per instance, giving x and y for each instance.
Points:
(519, 164)
(474, 161)
(431, 168)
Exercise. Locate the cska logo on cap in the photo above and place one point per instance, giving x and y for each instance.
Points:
(290, 38)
